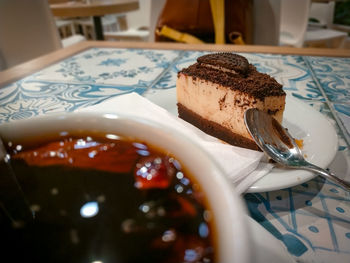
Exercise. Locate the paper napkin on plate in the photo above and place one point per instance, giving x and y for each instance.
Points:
(242, 166)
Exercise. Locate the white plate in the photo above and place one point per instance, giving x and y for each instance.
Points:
(303, 122)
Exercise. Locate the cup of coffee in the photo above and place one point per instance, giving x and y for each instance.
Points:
(114, 188)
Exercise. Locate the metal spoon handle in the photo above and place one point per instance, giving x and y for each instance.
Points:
(328, 175)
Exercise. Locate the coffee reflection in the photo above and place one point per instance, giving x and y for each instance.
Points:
(106, 199)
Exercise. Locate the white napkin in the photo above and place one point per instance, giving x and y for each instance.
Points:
(242, 166)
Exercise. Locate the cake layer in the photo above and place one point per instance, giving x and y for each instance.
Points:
(214, 129)
(222, 105)
(214, 93)
(251, 81)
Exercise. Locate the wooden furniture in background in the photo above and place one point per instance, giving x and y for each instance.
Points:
(323, 33)
(95, 9)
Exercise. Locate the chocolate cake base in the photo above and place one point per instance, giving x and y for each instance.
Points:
(215, 129)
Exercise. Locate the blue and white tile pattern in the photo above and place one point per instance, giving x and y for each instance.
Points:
(312, 219)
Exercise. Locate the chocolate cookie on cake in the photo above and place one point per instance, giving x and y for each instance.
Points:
(214, 93)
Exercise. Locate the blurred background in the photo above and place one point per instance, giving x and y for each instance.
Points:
(32, 28)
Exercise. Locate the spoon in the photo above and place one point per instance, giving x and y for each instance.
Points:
(280, 146)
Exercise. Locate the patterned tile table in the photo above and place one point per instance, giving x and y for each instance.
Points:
(312, 219)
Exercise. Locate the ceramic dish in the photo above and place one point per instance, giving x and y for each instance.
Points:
(233, 238)
(303, 122)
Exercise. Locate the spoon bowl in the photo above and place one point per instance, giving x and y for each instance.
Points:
(280, 146)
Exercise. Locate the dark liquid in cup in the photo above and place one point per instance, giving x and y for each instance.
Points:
(103, 200)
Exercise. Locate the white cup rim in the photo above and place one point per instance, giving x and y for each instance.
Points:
(233, 239)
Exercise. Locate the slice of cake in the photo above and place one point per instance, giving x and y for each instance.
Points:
(214, 93)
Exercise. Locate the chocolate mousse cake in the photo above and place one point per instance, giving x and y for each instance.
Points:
(214, 93)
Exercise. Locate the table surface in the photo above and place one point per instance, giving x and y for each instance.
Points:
(93, 8)
(312, 220)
